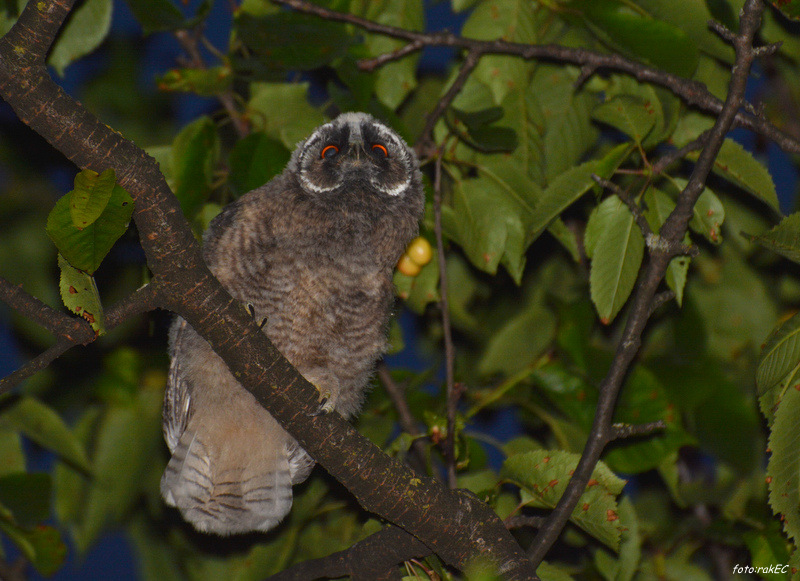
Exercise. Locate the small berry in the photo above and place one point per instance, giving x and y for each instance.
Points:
(420, 251)
(408, 266)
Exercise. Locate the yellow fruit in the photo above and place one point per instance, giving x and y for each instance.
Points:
(420, 251)
(408, 266)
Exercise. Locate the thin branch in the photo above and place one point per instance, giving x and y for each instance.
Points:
(74, 329)
(622, 431)
(669, 158)
(692, 92)
(425, 140)
(364, 561)
(449, 351)
(369, 65)
(189, 41)
(141, 301)
(518, 522)
(628, 200)
(404, 416)
(673, 231)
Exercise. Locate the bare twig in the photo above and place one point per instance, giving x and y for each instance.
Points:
(669, 158)
(672, 231)
(449, 351)
(425, 140)
(189, 41)
(404, 416)
(628, 200)
(622, 431)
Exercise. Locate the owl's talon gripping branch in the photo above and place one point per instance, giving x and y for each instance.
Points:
(251, 309)
(312, 251)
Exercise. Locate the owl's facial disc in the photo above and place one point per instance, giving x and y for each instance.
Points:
(354, 149)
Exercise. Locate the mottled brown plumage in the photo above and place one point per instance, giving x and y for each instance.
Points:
(312, 253)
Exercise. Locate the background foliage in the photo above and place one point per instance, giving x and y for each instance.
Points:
(540, 261)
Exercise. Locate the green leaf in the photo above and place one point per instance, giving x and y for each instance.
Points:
(42, 545)
(80, 295)
(91, 196)
(509, 20)
(84, 248)
(293, 41)
(708, 213)
(519, 342)
(571, 185)
(543, 476)
(205, 82)
(397, 79)
(642, 36)
(783, 469)
(282, 111)
(27, 496)
(71, 484)
(193, 157)
(631, 115)
(488, 224)
(778, 365)
(659, 207)
(12, 459)
(783, 238)
(255, 160)
(616, 256)
(87, 27)
(127, 437)
(44, 426)
(160, 15)
(737, 165)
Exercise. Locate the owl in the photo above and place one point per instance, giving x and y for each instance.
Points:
(311, 254)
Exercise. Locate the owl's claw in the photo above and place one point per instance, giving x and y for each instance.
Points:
(326, 405)
(252, 310)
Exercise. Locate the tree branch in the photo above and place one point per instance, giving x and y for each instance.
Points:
(70, 330)
(673, 231)
(366, 560)
(692, 92)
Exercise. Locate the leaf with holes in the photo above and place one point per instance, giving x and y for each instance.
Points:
(79, 294)
(616, 246)
(543, 475)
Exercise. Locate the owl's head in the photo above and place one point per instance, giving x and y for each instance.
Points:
(356, 151)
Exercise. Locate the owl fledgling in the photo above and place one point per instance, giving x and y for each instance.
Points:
(312, 254)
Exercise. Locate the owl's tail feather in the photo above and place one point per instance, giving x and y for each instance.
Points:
(252, 496)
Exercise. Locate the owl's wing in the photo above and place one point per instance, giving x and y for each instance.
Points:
(177, 399)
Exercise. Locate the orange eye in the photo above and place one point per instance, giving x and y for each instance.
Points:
(329, 150)
(378, 147)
